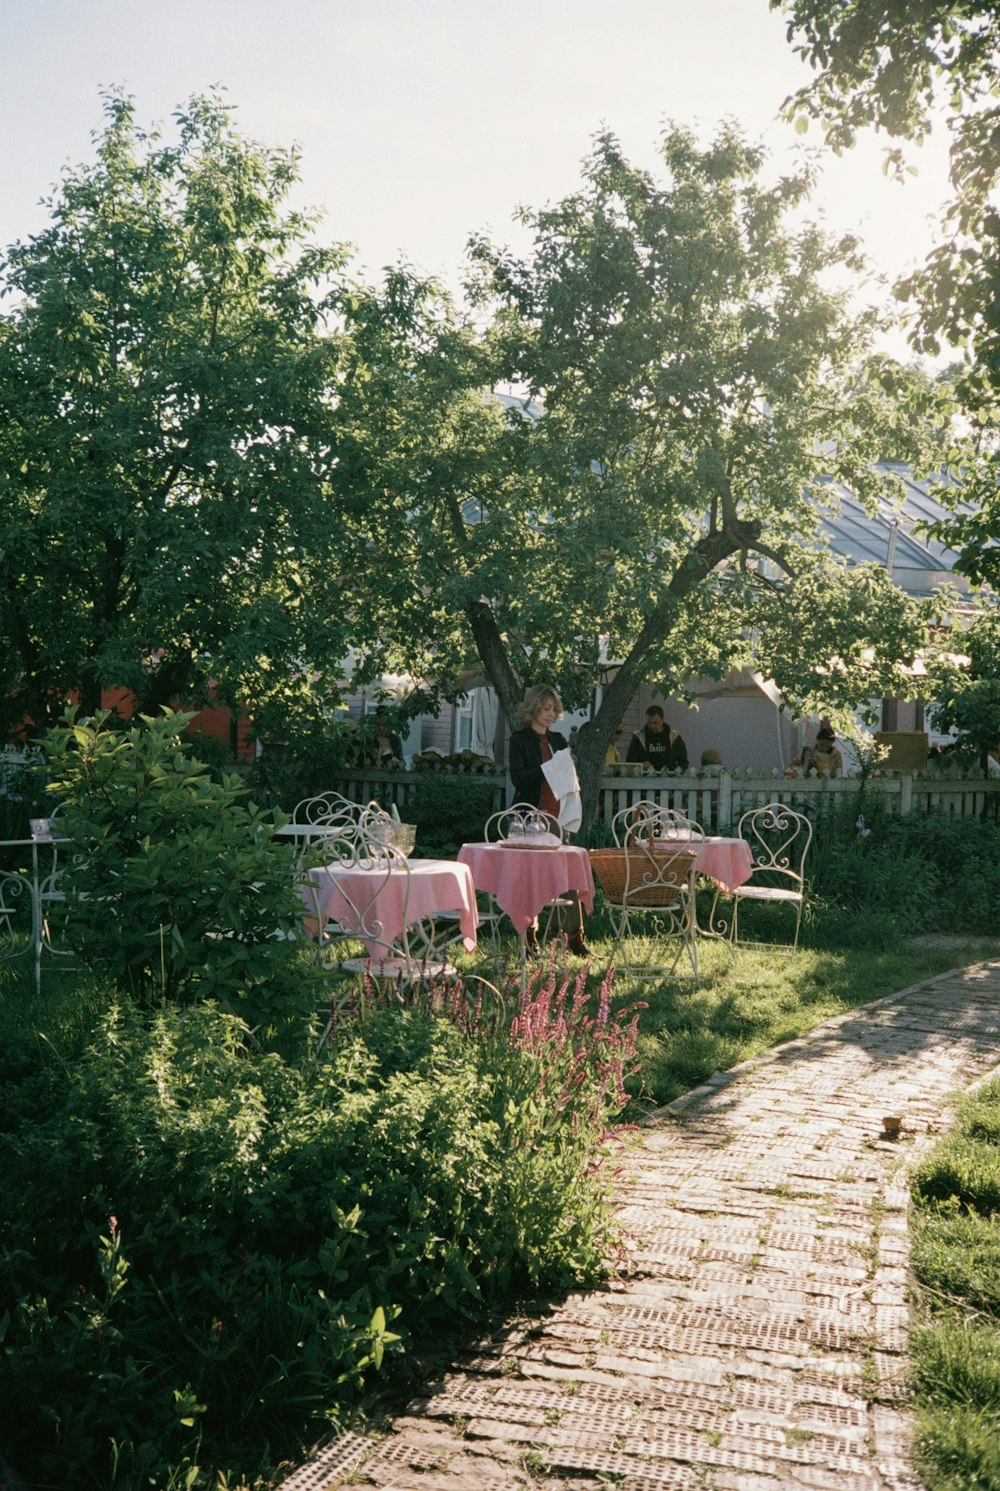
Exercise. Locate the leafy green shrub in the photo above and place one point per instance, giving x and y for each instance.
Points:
(309, 764)
(449, 810)
(210, 751)
(205, 1247)
(932, 872)
(173, 882)
(961, 857)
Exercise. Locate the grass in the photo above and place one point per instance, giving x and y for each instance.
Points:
(750, 999)
(956, 1264)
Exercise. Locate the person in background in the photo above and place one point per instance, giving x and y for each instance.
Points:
(572, 737)
(534, 743)
(387, 747)
(656, 745)
(711, 757)
(824, 757)
(613, 754)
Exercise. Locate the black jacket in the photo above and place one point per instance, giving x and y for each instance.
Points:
(524, 758)
(665, 752)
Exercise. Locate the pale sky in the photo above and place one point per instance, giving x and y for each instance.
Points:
(421, 121)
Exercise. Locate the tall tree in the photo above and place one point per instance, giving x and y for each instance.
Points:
(687, 378)
(165, 448)
(904, 67)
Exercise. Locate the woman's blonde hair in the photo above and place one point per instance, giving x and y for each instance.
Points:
(535, 699)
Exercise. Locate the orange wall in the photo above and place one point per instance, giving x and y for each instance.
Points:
(215, 720)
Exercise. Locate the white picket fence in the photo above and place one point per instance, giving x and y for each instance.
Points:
(717, 799)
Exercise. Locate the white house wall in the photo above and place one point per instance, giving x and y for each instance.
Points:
(748, 731)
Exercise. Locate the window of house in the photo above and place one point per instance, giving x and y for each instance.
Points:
(464, 722)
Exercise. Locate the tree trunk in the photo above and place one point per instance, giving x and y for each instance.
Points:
(594, 737)
(493, 655)
(592, 743)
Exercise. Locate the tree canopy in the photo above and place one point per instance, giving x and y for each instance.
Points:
(904, 67)
(165, 442)
(685, 377)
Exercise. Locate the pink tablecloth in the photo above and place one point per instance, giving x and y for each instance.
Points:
(727, 861)
(522, 881)
(381, 902)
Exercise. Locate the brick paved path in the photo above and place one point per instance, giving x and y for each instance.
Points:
(758, 1342)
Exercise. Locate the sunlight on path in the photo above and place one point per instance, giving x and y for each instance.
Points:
(758, 1342)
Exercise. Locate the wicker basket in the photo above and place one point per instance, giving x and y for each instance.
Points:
(618, 871)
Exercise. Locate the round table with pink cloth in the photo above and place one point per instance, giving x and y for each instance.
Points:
(726, 861)
(522, 881)
(379, 901)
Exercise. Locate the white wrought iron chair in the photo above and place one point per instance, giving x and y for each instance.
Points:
(779, 839)
(49, 892)
(365, 860)
(18, 927)
(650, 873)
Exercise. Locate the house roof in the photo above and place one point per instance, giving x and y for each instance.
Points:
(919, 564)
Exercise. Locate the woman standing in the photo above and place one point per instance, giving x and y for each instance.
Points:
(534, 743)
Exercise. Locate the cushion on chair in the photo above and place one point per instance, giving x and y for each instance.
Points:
(766, 893)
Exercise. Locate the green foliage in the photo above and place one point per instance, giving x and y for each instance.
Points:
(174, 885)
(165, 362)
(956, 1259)
(967, 694)
(896, 67)
(210, 751)
(691, 376)
(449, 810)
(308, 763)
(207, 1247)
(929, 872)
(900, 67)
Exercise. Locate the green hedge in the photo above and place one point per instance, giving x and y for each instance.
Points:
(206, 1247)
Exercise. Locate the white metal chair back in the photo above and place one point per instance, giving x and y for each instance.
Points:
(779, 838)
(337, 828)
(649, 820)
(521, 821)
(326, 807)
(650, 873)
(18, 926)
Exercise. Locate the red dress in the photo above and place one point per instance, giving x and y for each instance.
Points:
(548, 802)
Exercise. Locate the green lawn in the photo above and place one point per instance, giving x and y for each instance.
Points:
(749, 1000)
(956, 1264)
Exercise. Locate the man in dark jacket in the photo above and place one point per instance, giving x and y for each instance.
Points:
(658, 746)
